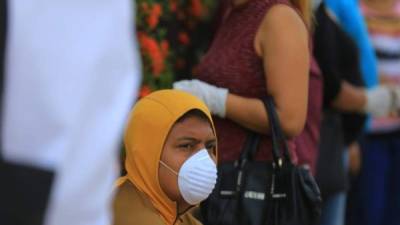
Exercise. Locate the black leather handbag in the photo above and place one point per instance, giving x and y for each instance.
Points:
(250, 192)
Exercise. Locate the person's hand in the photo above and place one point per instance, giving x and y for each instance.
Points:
(396, 94)
(380, 101)
(214, 97)
(355, 159)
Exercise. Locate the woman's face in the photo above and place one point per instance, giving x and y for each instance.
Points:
(185, 139)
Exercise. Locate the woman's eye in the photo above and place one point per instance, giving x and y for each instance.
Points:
(210, 147)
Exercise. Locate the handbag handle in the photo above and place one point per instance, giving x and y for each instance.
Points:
(278, 138)
(253, 139)
(251, 144)
(250, 147)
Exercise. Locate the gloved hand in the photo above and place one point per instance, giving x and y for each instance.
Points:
(214, 97)
(396, 93)
(380, 101)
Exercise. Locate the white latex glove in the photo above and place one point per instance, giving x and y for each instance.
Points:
(214, 97)
(380, 101)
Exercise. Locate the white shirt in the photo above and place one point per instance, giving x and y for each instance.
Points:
(72, 74)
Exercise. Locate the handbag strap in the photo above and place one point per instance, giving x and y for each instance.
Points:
(280, 150)
(250, 147)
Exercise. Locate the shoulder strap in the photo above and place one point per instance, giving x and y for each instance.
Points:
(250, 147)
(280, 150)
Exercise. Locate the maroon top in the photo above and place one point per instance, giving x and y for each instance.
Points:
(231, 62)
(308, 141)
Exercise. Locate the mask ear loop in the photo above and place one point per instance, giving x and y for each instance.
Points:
(177, 204)
(166, 166)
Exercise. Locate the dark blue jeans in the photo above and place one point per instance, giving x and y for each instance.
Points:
(334, 207)
(378, 197)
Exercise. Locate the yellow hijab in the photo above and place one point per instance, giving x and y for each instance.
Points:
(149, 124)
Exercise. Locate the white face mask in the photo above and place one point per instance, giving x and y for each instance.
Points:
(197, 177)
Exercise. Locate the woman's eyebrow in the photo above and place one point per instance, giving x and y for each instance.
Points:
(211, 141)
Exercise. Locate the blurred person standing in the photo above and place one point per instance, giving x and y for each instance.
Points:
(70, 74)
(251, 57)
(345, 103)
(248, 60)
(350, 18)
(341, 24)
(378, 185)
(383, 21)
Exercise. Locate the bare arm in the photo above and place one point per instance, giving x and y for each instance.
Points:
(282, 42)
(350, 98)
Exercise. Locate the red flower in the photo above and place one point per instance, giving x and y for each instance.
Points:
(196, 8)
(144, 91)
(157, 9)
(151, 48)
(154, 15)
(183, 38)
(164, 48)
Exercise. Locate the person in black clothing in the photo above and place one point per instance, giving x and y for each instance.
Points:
(346, 103)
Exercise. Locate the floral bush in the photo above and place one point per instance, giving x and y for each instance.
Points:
(172, 34)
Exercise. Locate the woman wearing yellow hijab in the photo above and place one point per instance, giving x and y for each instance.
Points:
(170, 160)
